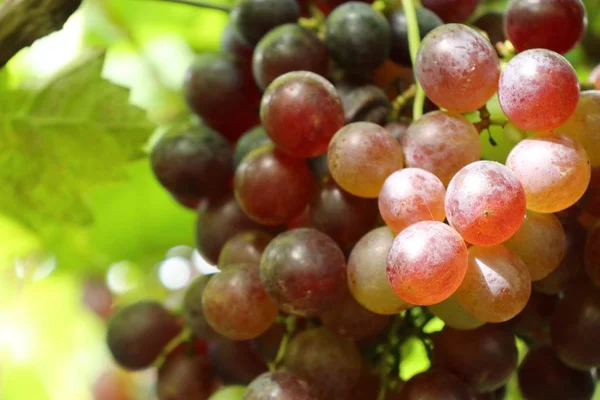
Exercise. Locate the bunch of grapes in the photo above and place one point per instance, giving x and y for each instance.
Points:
(343, 222)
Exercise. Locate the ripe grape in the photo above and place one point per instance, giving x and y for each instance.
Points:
(434, 384)
(194, 162)
(254, 18)
(244, 248)
(280, 385)
(251, 140)
(533, 322)
(357, 37)
(397, 130)
(497, 285)
(233, 43)
(553, 169)
(301, 111)
(367, 277)
(236, 305)
(330, 363)
(285, 49)
(454, 315)
(485, 203)
(304, 271)
(427, 21)
(492, 23)
(590, 202)
(363, 102)
(137, 334)
(542, 376)
(592, 254)
(193, 312)
(584, 125)
(532, 24)
(441, 143)
(426, 263)
(457, 67)
(540, 242)
(215, 86)
(409, 196)
(266, 346)
(234, 361)
(452, 10)
(575, 326)
(97, 297)
(184, 376)
(538, 90)
(272, 187)
(361, 156)
(484, 358)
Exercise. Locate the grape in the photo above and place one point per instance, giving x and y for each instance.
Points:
(272, 187)
(328, 362)
(441, 143)
(570, 266)
(349, 319)
(367, 278)
(343, 217)
(497, 285)
(288, 48)
(138, 333)
(584, 125)
(249, 141)
(484, 358)
(595, 77)
(492, 23)
(244, 248)
(426, 263)
(193, 312)
(229, 393)
(534, 320)
(485, 203)
(538, 90)
(435, 384)
(235, 362)
(301, 111)
(361, 156)
(543, 377)
(575, 326)
(540, 242)
(301, 220)
(112, 385)
(592, 254)
(457, 67)
(409, 196)
(266, 346)
(363, 102)
(304, 271)
(357, 37)
(554, 170)
(426, 20)
(215, 86)
(184, 377)
(452, 10)
(254, 18)
(590, 202)
(233, 43)
(219, 222)
(236, 305)
(397, 130)
(97, 297)
(279, 385)
(454, 315)
(531, 24)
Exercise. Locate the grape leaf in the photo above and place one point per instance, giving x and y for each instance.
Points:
(76, 132)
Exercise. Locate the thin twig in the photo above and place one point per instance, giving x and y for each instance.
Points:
(290, 330)
(414, 41)
(201, 4)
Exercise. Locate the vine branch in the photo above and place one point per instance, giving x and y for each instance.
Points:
(414, 41)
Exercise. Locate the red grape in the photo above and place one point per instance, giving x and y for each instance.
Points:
(492, 23)
(193, 312)
(433, 385)
(452, 10)
(234, 362)
(280, 385)
(184, 376)
(592, 254)
(590, 202)
(244, 248)
(534, 321)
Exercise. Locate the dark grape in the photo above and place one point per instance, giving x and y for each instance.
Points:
(138, 333)
(272, 187)
(304, 271)
(193, 312)
(97, 297)
(319, 167)
(301, 111)
(232, 42)
(435, 384)
(244, 248)
(358, 37)
(328, 362)
(590, 201)
(193, 162)
(363, 102)
(592, 254)
(235, 362)
(556, 25)
(184, 377)
(452, 10)
(343, 217)
(534, 321)
(279, 385)
(254, 18)
(427, 21)
(285, 49)
(484, 358)
(251, 140)
(542, 376)
(575, 326)
(215, 86)
(492, 23)
(266, 346)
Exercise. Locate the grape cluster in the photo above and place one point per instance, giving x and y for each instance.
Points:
(342, 224)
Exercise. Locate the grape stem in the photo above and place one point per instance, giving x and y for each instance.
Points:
(387, 359)
(184, 336)
(201, 4)
(414, 41)
(290, 330)
(400, 101)
(486, 120)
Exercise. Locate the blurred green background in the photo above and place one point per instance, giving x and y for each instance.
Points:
(79, 110)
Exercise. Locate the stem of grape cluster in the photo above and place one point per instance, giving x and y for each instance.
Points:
(414, 41)
(290, 329)
(201, 4)
(386, 358)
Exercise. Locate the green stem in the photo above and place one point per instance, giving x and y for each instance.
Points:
(201, 4)
(385, 369)
(290, 324)
(414, 41)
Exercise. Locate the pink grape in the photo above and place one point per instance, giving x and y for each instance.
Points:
(485, 203)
